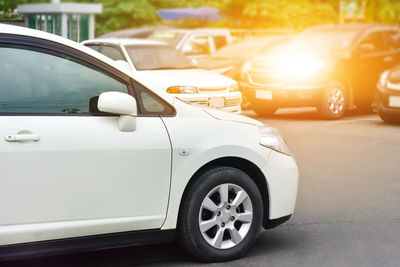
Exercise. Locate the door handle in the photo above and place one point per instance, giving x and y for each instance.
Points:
(21, 137)
(388, 59)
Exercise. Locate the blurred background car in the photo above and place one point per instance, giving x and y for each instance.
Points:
(194, 43)
(387, 97)
(331, 67)
(176, 74)
(230, 59)
(142, 32)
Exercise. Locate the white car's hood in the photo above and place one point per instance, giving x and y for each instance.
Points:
(162, 79)
(227, 116)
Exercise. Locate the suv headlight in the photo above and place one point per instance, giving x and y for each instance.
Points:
(182, 90)
(383, 78)
(270, 137)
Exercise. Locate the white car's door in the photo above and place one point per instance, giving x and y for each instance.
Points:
(66, 169)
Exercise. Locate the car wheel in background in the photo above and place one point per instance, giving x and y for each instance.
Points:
(333, 102)
(262, 109)
(220, 216)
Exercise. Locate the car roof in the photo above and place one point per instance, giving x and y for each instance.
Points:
(357, 27)
(125, 41)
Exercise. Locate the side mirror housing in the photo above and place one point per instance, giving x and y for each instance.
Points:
(121, 104)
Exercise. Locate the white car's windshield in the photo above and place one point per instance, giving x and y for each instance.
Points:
(158, 57)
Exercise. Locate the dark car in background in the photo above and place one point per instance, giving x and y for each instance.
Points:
(387, 97)
(331, 67)
(230, 59)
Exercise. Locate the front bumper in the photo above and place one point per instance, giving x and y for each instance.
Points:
(227, 101)
(283, 96)
(282, 176)
(382, 104)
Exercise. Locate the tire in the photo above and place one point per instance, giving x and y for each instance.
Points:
(333, 101)
(263, 110)
(388, 118)
(218, 241)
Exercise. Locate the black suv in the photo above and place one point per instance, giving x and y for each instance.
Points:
(387, 97)
(331, 67)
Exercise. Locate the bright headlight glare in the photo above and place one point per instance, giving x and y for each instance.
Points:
(270, 137)
(295, 66)
(182, 90)
(383, 78)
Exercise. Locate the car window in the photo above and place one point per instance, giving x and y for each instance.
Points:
(112, 52)
(36, 82)
(376, 40)
(197, 45)
(220, 41)
(150, 104)
(94, 47)
(392, 39)
(158, 57)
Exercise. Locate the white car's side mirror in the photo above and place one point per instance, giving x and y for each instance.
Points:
(121, 104)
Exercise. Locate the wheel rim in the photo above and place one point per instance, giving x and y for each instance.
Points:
(225, 216)
(336, 100)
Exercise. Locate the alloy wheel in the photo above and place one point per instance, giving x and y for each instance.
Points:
(336, 100)
(225, 216)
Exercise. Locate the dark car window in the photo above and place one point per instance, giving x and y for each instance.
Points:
(112, 52)
(36, 82)
(94, 47)
(375, 39)
(392, 39)
(220, 41)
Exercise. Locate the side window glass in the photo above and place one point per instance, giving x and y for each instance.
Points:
(94, 47)
(220, 41)
(197, 45)
(392, 39)
(150, 104)
(372, 43)
(112, 52)
(36, 82)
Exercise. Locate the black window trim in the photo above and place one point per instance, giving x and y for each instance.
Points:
(53, 48)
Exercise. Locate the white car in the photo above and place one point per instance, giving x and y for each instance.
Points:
(92, 159)
(168, 70)
(195, 43)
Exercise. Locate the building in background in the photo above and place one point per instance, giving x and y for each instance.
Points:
(74, 21)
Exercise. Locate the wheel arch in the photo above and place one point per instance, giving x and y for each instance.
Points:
(247, 167)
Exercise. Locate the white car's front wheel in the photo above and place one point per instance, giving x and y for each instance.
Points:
(221, 215)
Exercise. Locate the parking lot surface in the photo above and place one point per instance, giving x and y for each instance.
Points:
(348, 207)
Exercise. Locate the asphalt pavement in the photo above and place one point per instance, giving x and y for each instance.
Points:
(348, 207)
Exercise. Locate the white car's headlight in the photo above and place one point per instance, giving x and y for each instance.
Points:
(233, 88)
(182, 90)
(270, 137)
(383, 78)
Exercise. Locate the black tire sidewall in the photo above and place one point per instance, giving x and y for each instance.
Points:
(194, 242)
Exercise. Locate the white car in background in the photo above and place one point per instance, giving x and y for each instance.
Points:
(93, 159)
(168, 70)
(194, 43)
